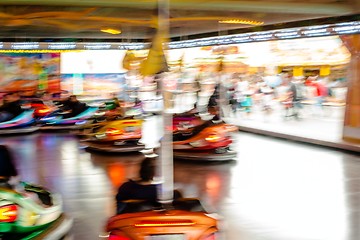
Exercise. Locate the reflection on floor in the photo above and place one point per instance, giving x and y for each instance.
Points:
(276, 190)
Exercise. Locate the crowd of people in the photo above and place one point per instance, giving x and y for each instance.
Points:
(245, 94)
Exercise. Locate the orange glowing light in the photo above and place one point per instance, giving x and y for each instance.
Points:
(242, 21)
(8, 213)
(213, 182)
(44, 110)
(213, 138)
(150, 223)
(110, 31)
(113, 131)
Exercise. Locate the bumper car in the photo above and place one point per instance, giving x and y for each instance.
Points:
(57, 121)
(185, 219)
(22, 217)
(117, 136)
(198, 136)
(186, 122)
(209, 141)
(109, 111)
(40, 109)
(23, 123)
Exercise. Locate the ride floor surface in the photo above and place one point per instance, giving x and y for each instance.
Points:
(275, 190)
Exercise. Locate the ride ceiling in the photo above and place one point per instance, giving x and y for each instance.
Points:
(31, 20)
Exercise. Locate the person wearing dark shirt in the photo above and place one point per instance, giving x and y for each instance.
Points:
(142, 189)
(7, 166)
(9, 178)
(8, 171)
(213, 104)
(73, 106)
(11, 107)
(295, 99)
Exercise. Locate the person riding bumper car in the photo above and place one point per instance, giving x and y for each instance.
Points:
(28, 211)
(23, 123)
(116, 136)
(140, 215)
(73, 115)
(185, 219)
(209, 142)
(14, 119)
(198, 139)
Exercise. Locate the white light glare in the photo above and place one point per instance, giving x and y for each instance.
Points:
(287, 34)
(65, 46)
(95, 46)
(29, 45)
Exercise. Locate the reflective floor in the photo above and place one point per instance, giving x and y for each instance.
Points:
(276, 190)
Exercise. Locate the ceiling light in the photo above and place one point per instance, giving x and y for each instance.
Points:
(36, 51)
(111, 31)
(241, 21)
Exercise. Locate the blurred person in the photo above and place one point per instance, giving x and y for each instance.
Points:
(136, 107)
(247, 102)
(115, 100)
(137, 102)
(267, 97)
(47, 100)
(214, 103)
(245, 91)
(241, 86)
(294, 94)
(197, 86)
(8, 173)
(116, 107)
(231, 92)
(297, 93)
(214, 98)
(143, 188)
(11, 107)
(9, 178)
(256, 85)
(73, 107)
(288, 96)
(321, 90)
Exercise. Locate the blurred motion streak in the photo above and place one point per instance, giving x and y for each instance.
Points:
(116, 172)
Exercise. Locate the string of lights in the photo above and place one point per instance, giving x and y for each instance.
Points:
(302, 32)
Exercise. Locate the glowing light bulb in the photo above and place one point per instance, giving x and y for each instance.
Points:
(110, 30)
(241, 21)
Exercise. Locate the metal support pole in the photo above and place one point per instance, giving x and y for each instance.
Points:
(166, 193)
